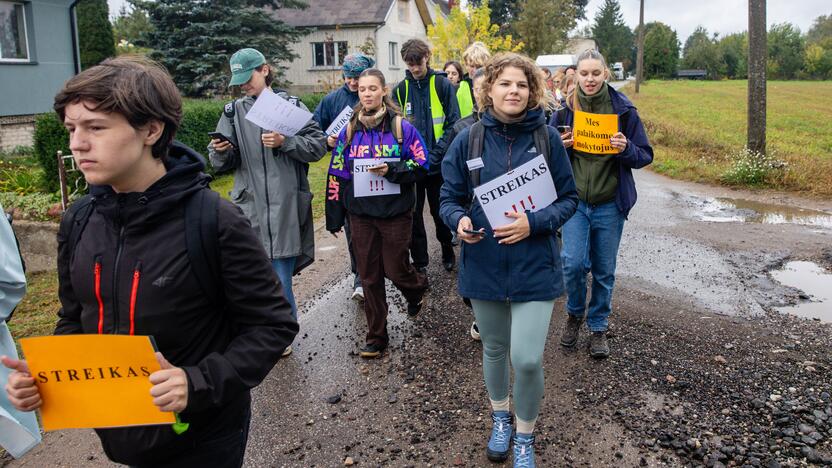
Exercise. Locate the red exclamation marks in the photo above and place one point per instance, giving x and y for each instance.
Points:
(371, 185)
(531, 202)
(523, 204)
(382, 185)
(514, 207)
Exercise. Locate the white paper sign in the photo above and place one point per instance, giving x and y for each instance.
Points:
(340, 122)
(272, 112)
(367, 184)
(528, 187)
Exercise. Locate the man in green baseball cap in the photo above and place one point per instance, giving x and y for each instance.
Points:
(243, 64)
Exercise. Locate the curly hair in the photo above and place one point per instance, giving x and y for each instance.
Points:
(538, 98)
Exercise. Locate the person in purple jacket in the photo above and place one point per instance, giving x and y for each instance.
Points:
(376, 161)
(606, 192)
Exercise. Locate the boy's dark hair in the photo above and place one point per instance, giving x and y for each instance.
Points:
(133, 86)
(270, 77)
(414, 50)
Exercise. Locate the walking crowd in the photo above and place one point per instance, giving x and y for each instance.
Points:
(227, 312)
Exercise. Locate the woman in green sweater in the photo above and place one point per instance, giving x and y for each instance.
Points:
(606, 192)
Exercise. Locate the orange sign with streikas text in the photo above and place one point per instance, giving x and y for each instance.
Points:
(94, 381)
(592, 132)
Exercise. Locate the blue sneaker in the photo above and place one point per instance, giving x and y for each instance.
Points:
(523, 450)
(498, 444)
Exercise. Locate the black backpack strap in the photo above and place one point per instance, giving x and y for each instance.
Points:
(476, 138)
(201, 237)
(541, 142)
(75, 219)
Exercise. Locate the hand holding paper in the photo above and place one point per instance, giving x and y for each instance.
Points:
(21, 389)
(516, 231)
(170, 387)
(272, 139)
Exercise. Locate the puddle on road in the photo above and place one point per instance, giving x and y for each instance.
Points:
(733, 210)
(812, 280)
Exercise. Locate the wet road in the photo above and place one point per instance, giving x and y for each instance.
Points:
(692, 292)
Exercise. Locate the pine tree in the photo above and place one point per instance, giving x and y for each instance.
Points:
(194, 40)
(615, 39)
(544, 25)
(95, 34)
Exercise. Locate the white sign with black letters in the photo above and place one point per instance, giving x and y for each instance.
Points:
(340, 122)
(272, 112)
(367, 184)
(526, 188)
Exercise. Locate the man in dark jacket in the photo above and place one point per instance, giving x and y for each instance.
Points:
(129, 271)
(327, 111)
(428, 101)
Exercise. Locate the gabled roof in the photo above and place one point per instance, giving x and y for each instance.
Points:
(330, 13)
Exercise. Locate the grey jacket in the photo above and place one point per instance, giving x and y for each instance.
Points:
(270, 185)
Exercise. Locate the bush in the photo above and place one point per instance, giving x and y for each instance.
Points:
(752, 168)
(50, 137)
(19, 178)
(312, 100)
(34, 206)
(198, 118)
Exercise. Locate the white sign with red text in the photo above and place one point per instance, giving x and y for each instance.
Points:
(526, 188)
(367, 184)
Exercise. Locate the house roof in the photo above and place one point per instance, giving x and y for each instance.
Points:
(335, 13)
(331, 13)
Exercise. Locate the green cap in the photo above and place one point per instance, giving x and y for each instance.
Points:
(243, 63)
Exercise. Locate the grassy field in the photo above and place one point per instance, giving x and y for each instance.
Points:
(696, 126)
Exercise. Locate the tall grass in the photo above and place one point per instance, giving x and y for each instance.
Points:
(698, 130)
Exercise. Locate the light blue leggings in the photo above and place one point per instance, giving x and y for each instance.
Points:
(519, 327)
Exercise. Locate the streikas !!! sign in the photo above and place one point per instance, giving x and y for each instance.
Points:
(367, 184)
(94, 381)
(592, 132)
(526, 188)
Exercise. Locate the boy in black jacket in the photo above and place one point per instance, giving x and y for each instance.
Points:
(130, 272)
(428, 101)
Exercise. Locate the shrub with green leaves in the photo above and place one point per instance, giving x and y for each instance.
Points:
(749, 167)
(50, 137)
(34, 206)
(312, 100)
(199, 116)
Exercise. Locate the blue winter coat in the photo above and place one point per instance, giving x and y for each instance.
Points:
(332, 104)
(529, 270)
(636, 155)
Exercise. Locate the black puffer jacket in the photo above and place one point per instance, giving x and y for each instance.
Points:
(136, 241)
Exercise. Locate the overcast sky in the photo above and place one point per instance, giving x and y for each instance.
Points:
(722, 16)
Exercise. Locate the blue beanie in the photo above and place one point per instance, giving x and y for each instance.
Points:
(356, 63)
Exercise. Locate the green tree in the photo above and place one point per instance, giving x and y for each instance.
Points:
(452, 35)
(733, 52)
(701, 52)
(130, 24)
(544, 25)
(613, 35)
(661, 50)
(821, 32)
(504, 12)
(95, 34)
(785, 51)
(194, 40)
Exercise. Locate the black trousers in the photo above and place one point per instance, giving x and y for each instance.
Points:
(429, 187)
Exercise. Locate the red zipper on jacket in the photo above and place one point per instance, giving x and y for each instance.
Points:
(137, 273)
(97, 276)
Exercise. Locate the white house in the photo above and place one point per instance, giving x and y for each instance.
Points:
(337, 28)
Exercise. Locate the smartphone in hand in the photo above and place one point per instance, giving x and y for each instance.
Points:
(474, 233)
(221, 137)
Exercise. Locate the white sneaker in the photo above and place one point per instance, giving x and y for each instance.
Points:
(475, 332)
(287, 351)
(358, 294)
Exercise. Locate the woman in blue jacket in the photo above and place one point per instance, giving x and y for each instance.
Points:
(607, 192)
(511, 272)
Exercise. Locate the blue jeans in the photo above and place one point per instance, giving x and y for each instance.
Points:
(285, 267)
(590, 243)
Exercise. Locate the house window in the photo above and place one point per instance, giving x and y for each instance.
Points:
(13, 45)
(404, 11)
(329, 54)
(394, 54)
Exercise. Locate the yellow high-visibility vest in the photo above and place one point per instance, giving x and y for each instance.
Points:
(437, 112)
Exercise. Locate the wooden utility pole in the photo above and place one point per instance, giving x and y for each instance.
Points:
(757, 57)
(640, 55)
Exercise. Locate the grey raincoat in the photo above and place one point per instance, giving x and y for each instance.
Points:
(270, 184)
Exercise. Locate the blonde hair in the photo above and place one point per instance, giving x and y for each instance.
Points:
(476, 55)
(538, 97)
(588, 54)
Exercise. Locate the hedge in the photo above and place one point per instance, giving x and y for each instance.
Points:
(199, 116)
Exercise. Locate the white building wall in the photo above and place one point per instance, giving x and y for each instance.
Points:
(398, 31)
(305, 77)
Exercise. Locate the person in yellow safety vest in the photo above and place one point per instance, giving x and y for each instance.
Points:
(464, 93)
(428, 101)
